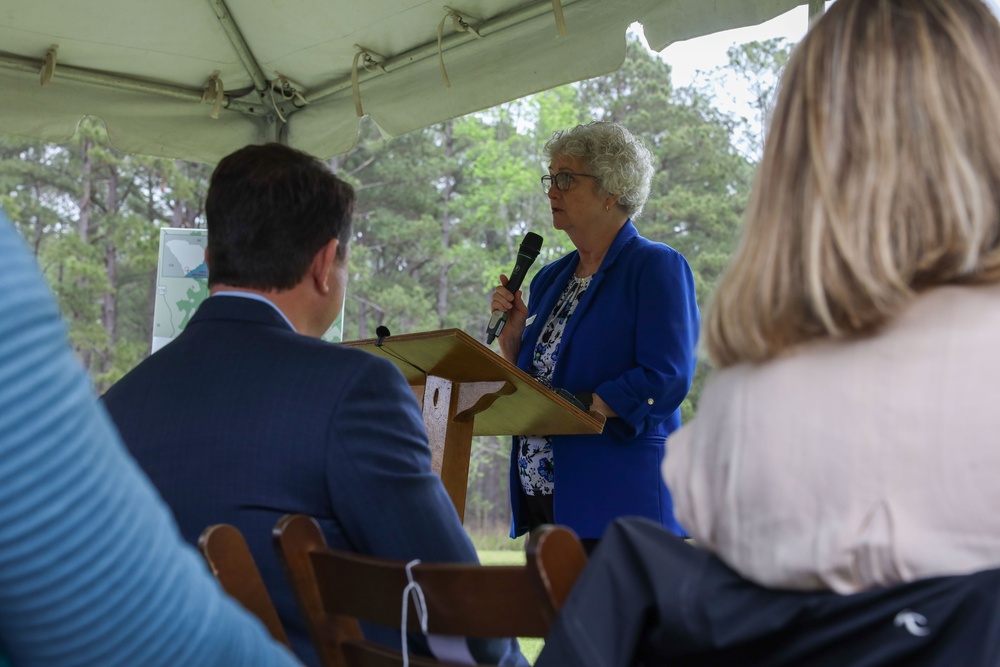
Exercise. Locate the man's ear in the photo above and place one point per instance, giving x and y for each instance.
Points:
(319, 271)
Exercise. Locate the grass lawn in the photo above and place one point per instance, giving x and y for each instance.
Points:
(530, 646)
(491, 557)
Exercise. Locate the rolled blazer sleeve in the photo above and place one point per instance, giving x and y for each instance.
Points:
(666, 334)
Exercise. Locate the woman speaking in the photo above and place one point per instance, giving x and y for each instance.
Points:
(616, 323)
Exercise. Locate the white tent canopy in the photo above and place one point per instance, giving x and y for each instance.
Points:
(195, 79)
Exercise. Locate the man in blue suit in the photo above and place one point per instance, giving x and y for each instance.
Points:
(248, 415)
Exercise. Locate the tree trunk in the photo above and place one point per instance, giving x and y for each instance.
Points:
(446, 194)
(83, 230)
(39, 226)
(109, 302)
(86, 175)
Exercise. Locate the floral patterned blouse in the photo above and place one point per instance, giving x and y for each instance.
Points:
(534, 457)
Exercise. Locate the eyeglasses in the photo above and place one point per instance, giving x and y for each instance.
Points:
(562, 180)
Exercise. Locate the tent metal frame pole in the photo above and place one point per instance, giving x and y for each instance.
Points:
(253, 103)
(111, 81)
(275, 129)
(274, 123)
(250, 107)
(240, 45)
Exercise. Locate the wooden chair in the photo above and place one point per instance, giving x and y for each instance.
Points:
(231, 562)
(336, 589)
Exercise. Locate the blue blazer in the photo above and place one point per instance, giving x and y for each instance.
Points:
(632, 341)
(241, 420)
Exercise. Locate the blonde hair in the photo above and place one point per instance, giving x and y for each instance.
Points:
(880, 177)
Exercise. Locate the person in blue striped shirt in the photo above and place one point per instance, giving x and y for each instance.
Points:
(93, 571)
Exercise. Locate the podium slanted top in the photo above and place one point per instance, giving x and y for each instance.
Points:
(451, 354)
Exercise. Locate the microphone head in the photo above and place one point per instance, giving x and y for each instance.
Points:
(531, 244)
(382, 331)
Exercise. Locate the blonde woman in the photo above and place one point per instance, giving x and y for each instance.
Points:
(850, 437)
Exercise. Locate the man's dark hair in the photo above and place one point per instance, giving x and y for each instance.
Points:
(270, 209)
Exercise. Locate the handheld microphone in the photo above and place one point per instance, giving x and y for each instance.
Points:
(526, 254)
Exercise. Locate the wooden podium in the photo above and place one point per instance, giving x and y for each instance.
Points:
(466, 389)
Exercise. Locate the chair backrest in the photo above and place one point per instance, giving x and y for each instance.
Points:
(336, 589)
(231, 562)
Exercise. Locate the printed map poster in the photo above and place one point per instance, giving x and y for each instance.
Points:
(182, 284)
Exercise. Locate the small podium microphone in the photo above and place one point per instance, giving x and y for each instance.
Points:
(382, 332)
(526, 254)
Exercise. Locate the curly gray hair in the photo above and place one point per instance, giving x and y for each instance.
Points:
(620, 161)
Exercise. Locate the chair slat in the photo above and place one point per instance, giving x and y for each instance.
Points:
(338, 588)
(230, 560)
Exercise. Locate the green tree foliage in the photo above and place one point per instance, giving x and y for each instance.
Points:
(92, 216)
(439, 215)
(751, 74)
